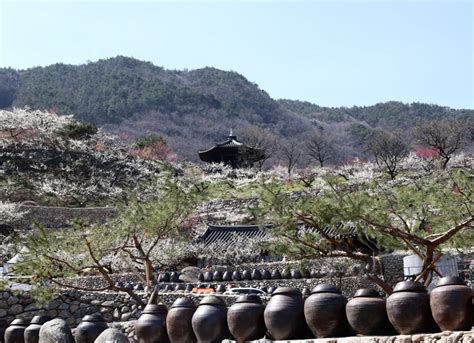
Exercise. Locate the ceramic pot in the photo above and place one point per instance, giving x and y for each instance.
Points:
(31, 333)
(284, 314)
(174, 277)
(210, 320)
(217, 276)
(165, 277)
(450, 303)
(236, 276)
(266, 275)
(256, 275)
(151, 326)
(227, 276)
(178, 321)
(3, 327)
(305, 293)
(276, 274)
(179, 287)
(201, 277)
(15, 332)
(246, 275)
(220, 288)
(285, 274)
(325, 312)
(189, 287)
(245, 318)
(270, 290)
(366, 312)
(295, 274)
(138, 287)
(90, 327)
(208, 276)
(305, 274)
(408, 308)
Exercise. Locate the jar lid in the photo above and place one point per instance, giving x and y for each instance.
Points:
(155, 309)
(325, 288)
(96, 317)
(40, 319)
(183, 302)
(409, 286)
(249, 298)
(367, 293)
(450, 280)
(286, 290)
(19, 322)
(212, 300)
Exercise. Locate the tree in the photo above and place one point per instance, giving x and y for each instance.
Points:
(153, 147)
(133, 238)
(259, 138)
(291, 153)
(444, 136)
(388, 150)
(320, 148)
(423, 213)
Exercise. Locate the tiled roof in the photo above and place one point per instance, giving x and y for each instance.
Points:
(220, 234)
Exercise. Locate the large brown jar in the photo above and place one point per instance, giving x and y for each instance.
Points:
(178, 321)
(366, 312)
(151, 326)
(408, 308)
(210, 320)
(245, 318)
(283, 315)
(450, 303)
(90, 327)
(32, 331)
(15, 332)
(325, 311)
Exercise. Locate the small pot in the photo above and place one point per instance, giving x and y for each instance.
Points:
(245, 318)
(178, 321)
(285, 274)
(408, 308)
(90, 327)
(227, 276)
(276, 275)
(283, 315)
(366, 312)
(15, 332)
(256, 275)
(246, 275)
(450, 303)
(210, 320)
(295, 274)
(174, 277)
(165, 277)
(217, 276)
(31, 334)
(325, 312)
(201, 277)
(266, 275)
(208, 276)
(220, 288)
(151, 326)
(236, 276)
(189, 287)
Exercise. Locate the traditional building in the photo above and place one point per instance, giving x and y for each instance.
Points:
(233, 153)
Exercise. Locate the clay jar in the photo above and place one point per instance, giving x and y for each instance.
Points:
(245, 318)
(246, 275)
(90, 327)
(236, 276)
(217, 276)
(151, 326)
(15, 332)
(408, 308)
(366, 312)
(208, 277)
(256, 275)
(450, 303)
(266, 275)
(31, 334)
(178, 321)
(276, 274)
(210, 320)
(227, 276)
(284, 314)
(325, 311)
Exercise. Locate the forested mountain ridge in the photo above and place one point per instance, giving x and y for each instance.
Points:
(193, 109)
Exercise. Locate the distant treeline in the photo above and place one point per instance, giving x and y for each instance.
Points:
(194, 109)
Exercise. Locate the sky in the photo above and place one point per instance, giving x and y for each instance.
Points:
(332, 53)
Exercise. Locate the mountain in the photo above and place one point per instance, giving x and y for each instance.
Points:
(194, 109)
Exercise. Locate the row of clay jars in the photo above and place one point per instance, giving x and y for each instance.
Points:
(255, 274)
(20, 331)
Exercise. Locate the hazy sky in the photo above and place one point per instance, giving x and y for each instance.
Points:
(333, 53)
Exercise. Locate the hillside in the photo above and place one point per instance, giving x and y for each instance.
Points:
(194, 109)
